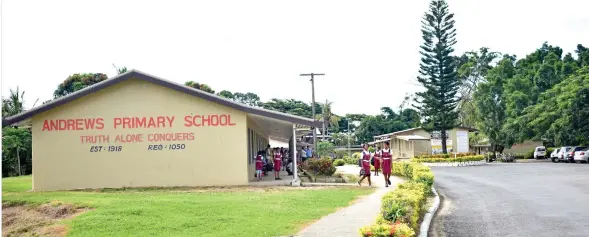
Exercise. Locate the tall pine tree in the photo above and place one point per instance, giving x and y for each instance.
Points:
(437, 103)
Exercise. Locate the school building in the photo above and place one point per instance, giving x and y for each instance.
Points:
(137, 130)
(413, 142)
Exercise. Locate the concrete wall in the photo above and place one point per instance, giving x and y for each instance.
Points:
(525, 147)
(66, 153)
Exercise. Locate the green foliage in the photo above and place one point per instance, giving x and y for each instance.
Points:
(405, 204)
(351, 160)
(14, 139)
(339, 162)
(77, 82)
(386, 122)
(472, 69)
(323, 166)
(387, 230)
(291, 106)
(438, 102)
(14, 104)
(340, 154)
(198, 86)
(442, 160)
(325, 148)
(356, 155)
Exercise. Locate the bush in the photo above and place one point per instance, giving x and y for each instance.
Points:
(356, 155)
(340, 154)
(339, 162)
(351, 160)
(549, 151)
(457, 159)
(323, 166)
(404, 204)
(387, 230)
(325, 149)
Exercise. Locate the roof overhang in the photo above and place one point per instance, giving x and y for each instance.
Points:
(134, 74)
(412, 138)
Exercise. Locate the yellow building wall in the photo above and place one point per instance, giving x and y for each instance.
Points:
(71, 159)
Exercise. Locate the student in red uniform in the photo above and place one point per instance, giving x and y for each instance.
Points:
(259, 165)
(386, 156)
(365, 158)
(277, 163)
(376, 161)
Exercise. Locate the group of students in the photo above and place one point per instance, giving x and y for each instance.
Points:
(272, 159)
(381, 157)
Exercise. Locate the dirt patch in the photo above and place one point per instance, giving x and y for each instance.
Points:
(42, 220)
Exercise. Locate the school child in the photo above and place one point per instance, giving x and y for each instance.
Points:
(386, 156)
(259, 165)
(376, 161)
(277, 163)
(365, 158)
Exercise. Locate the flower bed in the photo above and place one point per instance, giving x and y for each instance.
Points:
(448, 160)
(321, 171)
(403, 208)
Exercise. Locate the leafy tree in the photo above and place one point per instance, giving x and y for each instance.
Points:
(325, 148)
(120, 70)
(77, 82)
(249, 98)
(341, 139)
(226, 94)
(329, 119)
(198, 86)
(490, 103)
(14, 103)
(291, 106)
(16, 151)
(583, 55)
(472, 69)
(438, 102)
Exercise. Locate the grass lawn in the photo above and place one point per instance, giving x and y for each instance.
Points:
(189, 212)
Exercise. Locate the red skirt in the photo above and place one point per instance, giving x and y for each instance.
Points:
(366, 170)
(376, 163)
(259, 165)
(386, 166)
(277, 165)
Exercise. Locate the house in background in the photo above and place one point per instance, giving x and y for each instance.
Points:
(412, 142)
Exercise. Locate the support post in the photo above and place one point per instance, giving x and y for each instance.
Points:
(295, 179)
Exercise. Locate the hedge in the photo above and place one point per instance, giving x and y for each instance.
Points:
(351, 160)
(441, 160)
(402, 209)
(339, 162)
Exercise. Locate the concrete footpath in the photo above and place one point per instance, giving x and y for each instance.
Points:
(347, 221)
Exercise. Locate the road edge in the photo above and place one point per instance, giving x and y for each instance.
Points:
(428, 217)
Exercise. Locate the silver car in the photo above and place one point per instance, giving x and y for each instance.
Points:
(582, 155)
(561, 156)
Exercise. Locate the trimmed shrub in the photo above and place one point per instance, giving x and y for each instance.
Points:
(351, 160)
(440, 160)
(404, 204)
(387, 230)
(356, 155)
(339, 162)
(323, 166)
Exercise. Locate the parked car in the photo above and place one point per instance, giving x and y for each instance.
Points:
(570, 154)
(582, 155)
(540, 152)
(561, 153)
(554, 154)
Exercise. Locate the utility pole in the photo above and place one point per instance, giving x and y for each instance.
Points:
(349, 135)
(313, 102)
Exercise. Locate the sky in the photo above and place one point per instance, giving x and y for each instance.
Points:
(368, 50)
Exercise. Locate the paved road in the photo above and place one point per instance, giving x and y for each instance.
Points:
(535, 199)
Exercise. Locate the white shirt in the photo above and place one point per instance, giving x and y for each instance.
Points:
(366, 152)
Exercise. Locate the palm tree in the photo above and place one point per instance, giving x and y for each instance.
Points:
(329, 119)
(14, 103)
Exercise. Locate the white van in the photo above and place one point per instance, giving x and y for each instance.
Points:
(540, 152)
